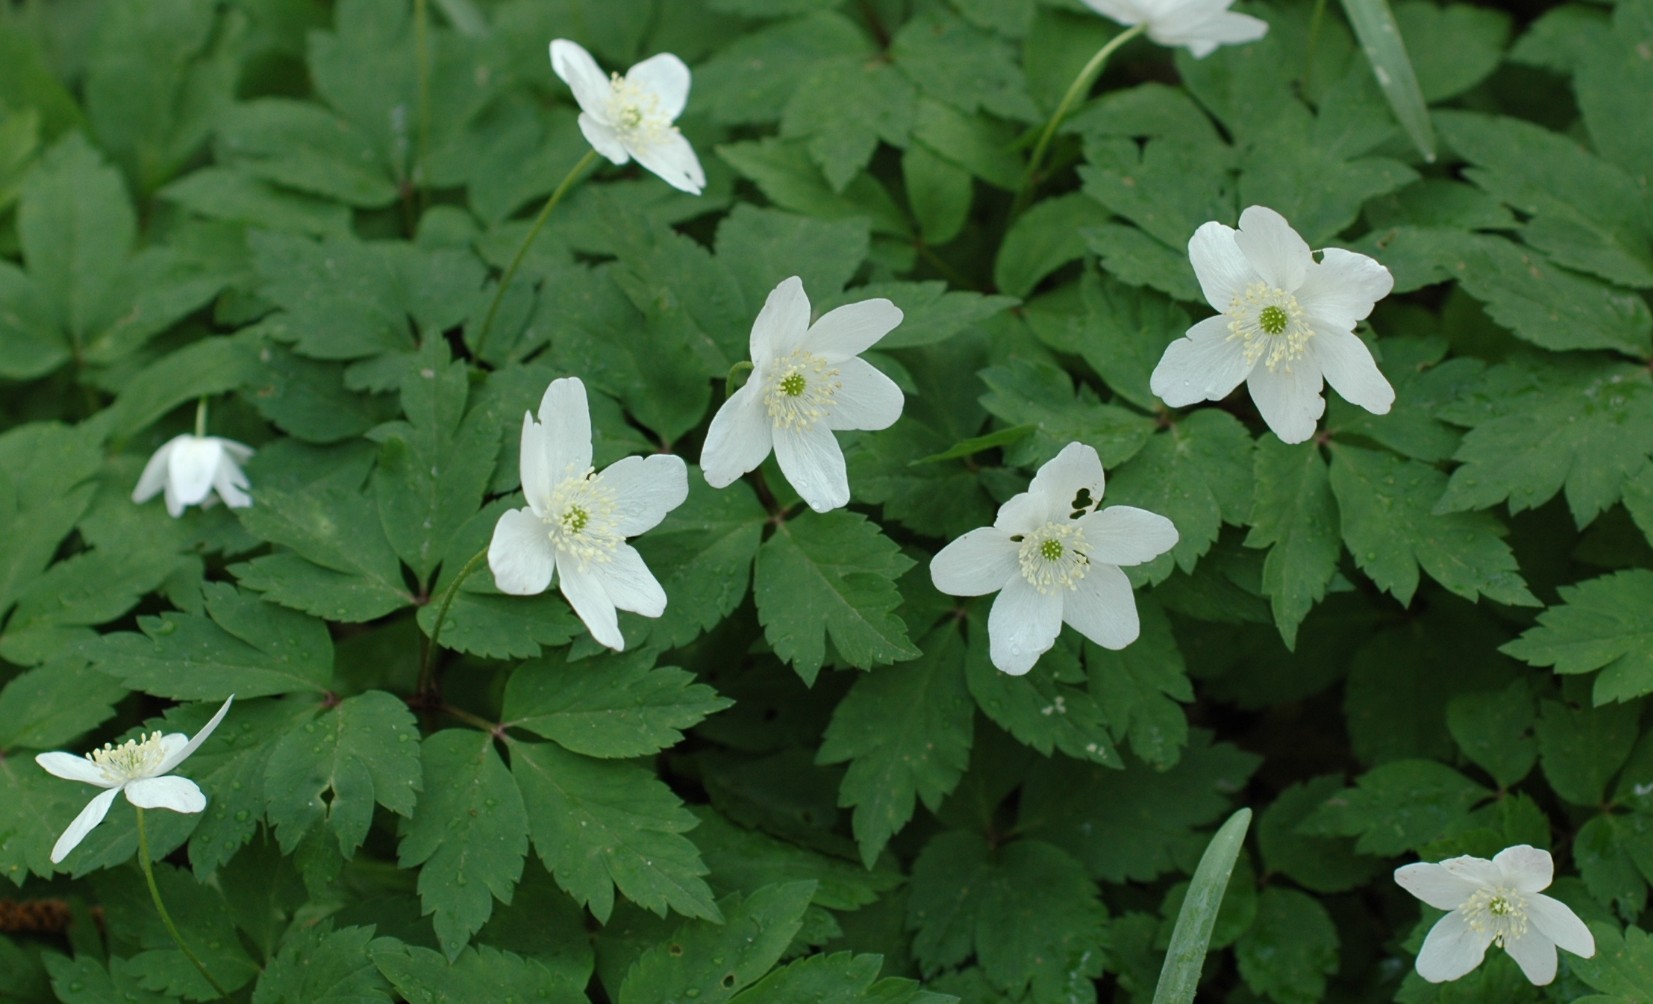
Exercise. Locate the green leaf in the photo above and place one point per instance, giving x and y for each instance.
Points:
(1396, 807)
(938, 192)
(743, 859)
(839, 978)
(702, 554)
(1043, 239)
(1290, 948)
(1023, 392)
(242, 646)
(1605, 863)
(1495, 730)
(1197, 474)
(469, 834)
(41, 503)
(1380, 37)
(1041, 709)
(199, 369)
(710, 962)
(83, 980)
(234, 195)
(76, 227)
(1581, 749)
(905, 731)
(1190, 937)
(1452, 48)
(334, 768)
(1138, 689)
(843, 107)
(1600, 624)
(1293, 514)
(1319, 864)
(422, 976)
(831, 575)
(751, 78)
(761, 247)
(302, 146)
(1384, 504)
(930, 313)
(47, 706)
(1622, 968)
(601, 824)
(92, 587)
(32, 342)
(1606, 81)
(613, 705)
(318, 965)
(963, 66)
(785, 174)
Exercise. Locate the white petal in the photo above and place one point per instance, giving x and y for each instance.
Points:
(1535, 954)
(1435, 885)
(1222, 270)
(1202, 32)
(1125, 535)
(1343, 288)
(230, 482)
(1451, 949)
(1123, 11)
(1022, 626)
(189, 470)
(153, 478)
(177, 754)
(1027, 512)
(239, 452)
(1064, 476)
(739, 438)
(584, 77)
(667, 77)
(179, 794)
(72, 768)
(1526, 867)
(980, 562)
(1102, 608)
(604, 138)
(646, 489)
(83, 823)
(1478, 870)
(853, 328)
(520, 553)
(590, 601)
(814, 465)
(1204, 365)
(1280, 256)
(865, 399)
(1348, 366)
(567, 419)
(781, 324)
(1556, 921)
(534, 464)
(673, 160)
(629, 583)
(1290, 402)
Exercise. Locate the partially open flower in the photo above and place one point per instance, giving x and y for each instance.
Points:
(190, 468)
(632, 115)
(1199, 25)
(140, 767)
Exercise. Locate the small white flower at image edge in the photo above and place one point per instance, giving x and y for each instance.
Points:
(1198, 25)
(1495, 902)
(142, 768)
(1285, 327)
(807, 382)
(575, 525)
(1053, 555)
(630, 116)
(190, 469)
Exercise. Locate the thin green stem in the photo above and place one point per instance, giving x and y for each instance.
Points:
(736, 371)
(200, 417)
(427, 670)
(1081, 84)
(1308, 51)
(421, 17)
(160, 908)
(528, 242)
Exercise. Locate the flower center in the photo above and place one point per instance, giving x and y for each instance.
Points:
(636, 113)
(134, 758)
(1499, 912)
(1271, 323)
(802, 394)
(1054, 555)
(581, 519)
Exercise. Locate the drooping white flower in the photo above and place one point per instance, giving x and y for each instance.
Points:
(1201, 25)
(190, 468)
(1287, 321)
(807, 381)
(1053, 554)
(632, 115)
(140, 767)
(1495, 902)
(576, 522)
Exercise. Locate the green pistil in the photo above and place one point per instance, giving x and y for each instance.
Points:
(575, 519)
(1050, 550)
(793, 384)
(1272, 319)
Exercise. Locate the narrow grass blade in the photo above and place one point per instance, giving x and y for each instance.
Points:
(1379, 36)
(1180, 976)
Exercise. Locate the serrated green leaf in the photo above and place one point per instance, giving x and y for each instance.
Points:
(710, 962)
(302, 146)
(1138, 689)
(1600, 624)
(340, 567)
(930, 313)
(843, 107)
(318, 965)
(938, 192)
(1023, 392)
(786, 175)
(422, 976)
(31, 338)
(839, 978)
(1395, 807)
(1293, 514)
(92, 587)
(1622, 968)
(1043, 239)
(963, 66)
(234, 195)
(761, 247)
(1601, 849)
(1290, 949)
(1495, 730)
(1613, 71)
(1041, 709)
(76, 227)
(743, 859)
(1581, 749)
(1320, 864)
(51, 704)
(702, 554)
(84, 980)
(1197, 474)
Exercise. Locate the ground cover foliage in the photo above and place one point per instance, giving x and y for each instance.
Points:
(1417, 635)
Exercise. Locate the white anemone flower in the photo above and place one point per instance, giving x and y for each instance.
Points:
(1495, 902)
(577, 521)
(1200, 25)
(140, 767)
(632, 115)
(1053, 554)
(190, 468)
(807, 381)
(1287, 321)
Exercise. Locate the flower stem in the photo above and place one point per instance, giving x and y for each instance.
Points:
(160, 907)
(1082, 83)
(429, 666)
(736, 371)
(200, 417)
(528, 242)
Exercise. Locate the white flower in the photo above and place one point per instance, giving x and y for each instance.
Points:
(1201, 25)
(140, 767)
(577, 521)
(806, 382)
(631, 116)
(190, 468)
(1494, 902)
(1286, 322)
(1054, 554)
